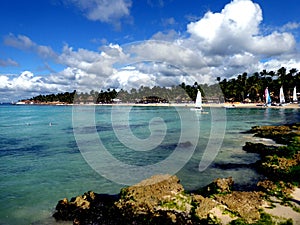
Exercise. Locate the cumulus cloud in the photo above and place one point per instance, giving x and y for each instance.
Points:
(236, 29)
(171, 52)
(103, 10)
(148, 73)
(14, 87)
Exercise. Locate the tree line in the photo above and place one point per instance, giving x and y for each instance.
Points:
(251, 88)
(242, 88)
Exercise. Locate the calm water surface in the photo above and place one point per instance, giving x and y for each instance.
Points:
(41, 162)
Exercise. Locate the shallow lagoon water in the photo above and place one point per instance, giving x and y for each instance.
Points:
(41, 161)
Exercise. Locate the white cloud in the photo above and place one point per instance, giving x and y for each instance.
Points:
(275, 64)
(273, 44)
(236, 29)
(170, 35)
(290, 26)
(25, 85)
(104, 10)
(171, 52)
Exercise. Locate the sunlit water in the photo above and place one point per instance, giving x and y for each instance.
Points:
(41, 162)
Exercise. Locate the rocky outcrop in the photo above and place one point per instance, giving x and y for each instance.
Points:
(281, 134)
(244, 204)
(281, 190)
(218, 186)
(89, 208)
(278, 162)
(161, 199)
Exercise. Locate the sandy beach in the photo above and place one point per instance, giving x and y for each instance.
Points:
(210, 105)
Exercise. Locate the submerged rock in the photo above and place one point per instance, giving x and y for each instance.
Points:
(89, 208)
(281, 134)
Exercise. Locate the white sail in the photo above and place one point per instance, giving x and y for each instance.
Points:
(281, 95)
(198, 100)
(295, 99)
(267, 96)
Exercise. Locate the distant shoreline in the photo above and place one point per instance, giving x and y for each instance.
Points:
(190, 105)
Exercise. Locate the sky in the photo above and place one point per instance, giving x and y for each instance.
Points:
(52, 46)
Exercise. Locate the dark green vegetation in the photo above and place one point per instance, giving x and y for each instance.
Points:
(243, 88)
(252, 88)
(66, 97)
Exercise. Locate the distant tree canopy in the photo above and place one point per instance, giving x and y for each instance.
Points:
(67, 97)
(239, 89)
(252, 87)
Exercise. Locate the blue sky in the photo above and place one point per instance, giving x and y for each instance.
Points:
(50, 46)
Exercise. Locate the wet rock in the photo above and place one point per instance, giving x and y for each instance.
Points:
(278, 162)
(280, 134)
(203, 206)
(260, 148)
(160, 199)
(244, 204)
(279, 189)
(87, 208)
(218, 186)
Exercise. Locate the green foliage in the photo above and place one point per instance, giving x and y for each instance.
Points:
(252, 87)
(66, 97)
(178, 202)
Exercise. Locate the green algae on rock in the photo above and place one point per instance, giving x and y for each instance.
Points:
(278, 162)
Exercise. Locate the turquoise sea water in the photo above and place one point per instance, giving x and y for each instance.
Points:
(51, 152)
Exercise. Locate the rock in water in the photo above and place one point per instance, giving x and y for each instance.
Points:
(218, 186)
(87, 209)
(158, 200)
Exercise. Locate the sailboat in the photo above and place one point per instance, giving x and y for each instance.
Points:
(295, 99)
(198, 104)
(267, 97)
(281, 96)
